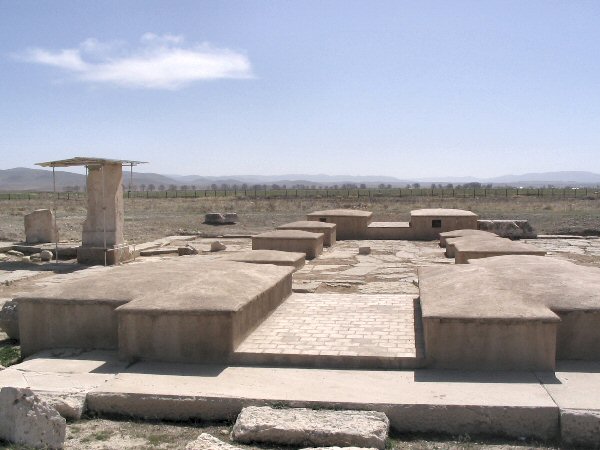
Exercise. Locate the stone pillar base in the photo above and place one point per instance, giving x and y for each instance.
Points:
(94, 256)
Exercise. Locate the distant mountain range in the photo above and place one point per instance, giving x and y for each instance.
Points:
(24, 179)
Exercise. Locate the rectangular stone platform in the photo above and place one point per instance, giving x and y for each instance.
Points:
(468, 249)
(172, 310)
(515, 404)
(463, 233)
(351, 223)
(389, 231)
(311, 244)
(337, 330)
(477, 239)
(328, 229)
(510, 312)
(427, 224)
(276, 257)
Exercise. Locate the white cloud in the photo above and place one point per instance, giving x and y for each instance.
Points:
(161, 62)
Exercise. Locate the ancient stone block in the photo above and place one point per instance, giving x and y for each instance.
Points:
(580, 427)
(40, 227)
(308, 243)
(301, 426)
(26, 420)
(9, 319)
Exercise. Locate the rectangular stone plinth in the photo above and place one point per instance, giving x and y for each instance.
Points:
(468, 249)
(427, 224)
(172, 310)
(95, 256)
(510, 312)
(328, 229)
(450, 243)
(463, 233)
(40, 227)
(311, 244)
(204, 320)
(350, 223)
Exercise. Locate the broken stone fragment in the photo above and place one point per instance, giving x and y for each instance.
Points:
(214, 219)
(187, 250)
(15, 253)
(364, 250)
(9, 319)
(301, 426)
(230, 217)
(207, 442)
(26, 420)
(217, 246)
(46, 255)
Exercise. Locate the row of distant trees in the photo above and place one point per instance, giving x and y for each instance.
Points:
(229, 187)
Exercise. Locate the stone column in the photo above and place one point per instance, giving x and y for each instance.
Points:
(103, 226)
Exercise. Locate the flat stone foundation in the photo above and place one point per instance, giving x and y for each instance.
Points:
(175, 310)
(311, 244)
(468, 249)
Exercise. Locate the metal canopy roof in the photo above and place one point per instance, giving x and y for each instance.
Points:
(89, 161)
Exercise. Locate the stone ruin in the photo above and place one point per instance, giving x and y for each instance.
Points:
(40, 227)
(503, 305)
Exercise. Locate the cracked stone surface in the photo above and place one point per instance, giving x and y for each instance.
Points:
(301, 426)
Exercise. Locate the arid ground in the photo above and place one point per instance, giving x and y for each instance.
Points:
(148, 219)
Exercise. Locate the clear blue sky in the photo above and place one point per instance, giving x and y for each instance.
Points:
(407, 89)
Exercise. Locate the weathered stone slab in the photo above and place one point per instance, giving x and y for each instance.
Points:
(276, 257)
(208, 442)
(580, 427)
(301, 426)
(462, 233)
(311, 244)
(40, 227)
(450, 243)
(328, 229)
(466, 249)
(26, 420)
(513, 229)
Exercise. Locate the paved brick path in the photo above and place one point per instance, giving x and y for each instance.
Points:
(341, 329)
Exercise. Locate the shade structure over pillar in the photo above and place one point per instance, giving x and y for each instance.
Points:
(102, 238)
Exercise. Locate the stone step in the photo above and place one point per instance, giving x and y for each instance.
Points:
(349, 331)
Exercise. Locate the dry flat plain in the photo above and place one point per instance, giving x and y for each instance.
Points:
(150, 219)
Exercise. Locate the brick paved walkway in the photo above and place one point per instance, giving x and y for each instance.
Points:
(337, 330)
